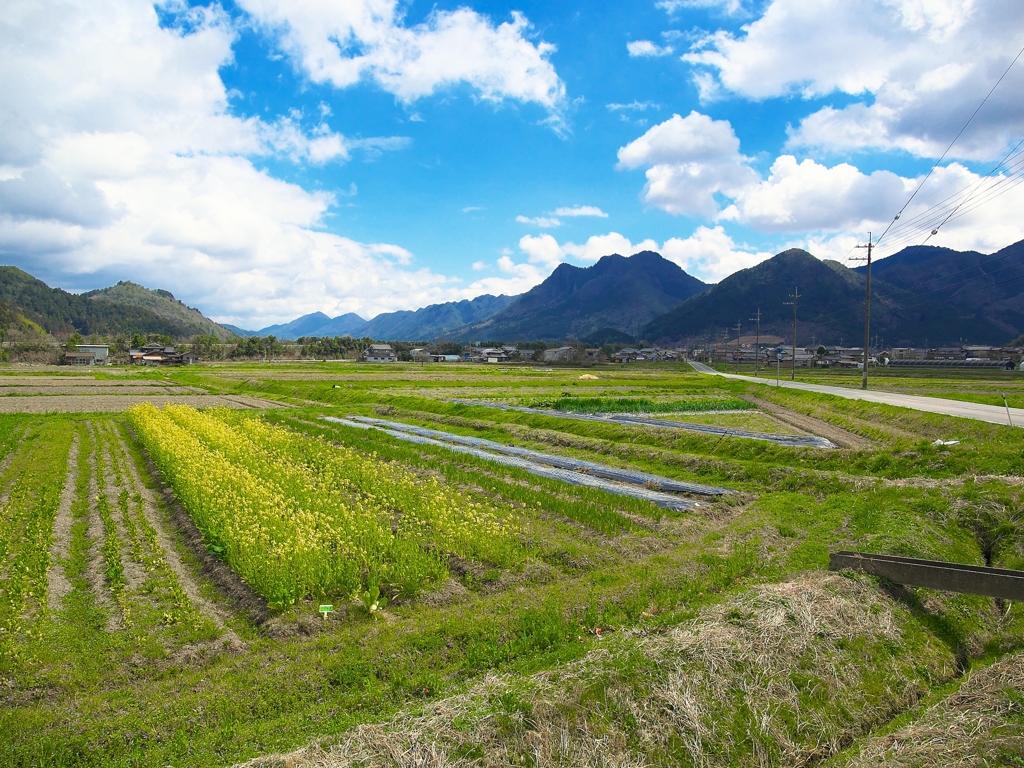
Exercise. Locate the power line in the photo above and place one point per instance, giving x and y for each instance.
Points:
(955, 138)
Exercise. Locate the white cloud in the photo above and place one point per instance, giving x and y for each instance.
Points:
(121, 160)
(798, 197)
(581, 210)
(544, 222)
(691, 160)
(673, 7)
(636, 106)
(471, 208)
(694, 167)
(647, 48)
(344, 43)
(929, 65)
(479, 266)
(710, 254)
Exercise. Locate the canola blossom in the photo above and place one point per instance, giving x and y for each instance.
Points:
(295, 516)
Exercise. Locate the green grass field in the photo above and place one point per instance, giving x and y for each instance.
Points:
(161, 573)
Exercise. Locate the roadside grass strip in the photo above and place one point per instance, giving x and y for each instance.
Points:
(663, 500)
(789, 441)
(655, 482)
(295, 516)
(37, 473)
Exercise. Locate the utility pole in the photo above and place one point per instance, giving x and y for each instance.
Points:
(757, 344)
(867, 313)
(794, 296)
(738, 349)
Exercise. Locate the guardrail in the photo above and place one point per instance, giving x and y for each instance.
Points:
(935, 574)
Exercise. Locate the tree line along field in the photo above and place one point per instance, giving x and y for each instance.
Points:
(161, 571)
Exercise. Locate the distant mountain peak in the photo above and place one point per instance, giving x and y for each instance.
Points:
(616, 293)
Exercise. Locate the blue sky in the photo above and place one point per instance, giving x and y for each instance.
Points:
(263, 159)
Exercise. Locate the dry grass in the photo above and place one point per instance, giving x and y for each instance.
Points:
(773, 676)
(981, 724)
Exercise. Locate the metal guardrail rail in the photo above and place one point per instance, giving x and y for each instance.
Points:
(935, 574)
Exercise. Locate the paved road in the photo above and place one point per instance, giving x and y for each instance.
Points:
(995, 414)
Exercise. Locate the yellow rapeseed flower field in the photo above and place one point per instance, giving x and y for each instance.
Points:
(295, 516)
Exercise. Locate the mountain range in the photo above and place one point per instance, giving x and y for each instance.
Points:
(929, 297)
(920, 296)
(426, 324)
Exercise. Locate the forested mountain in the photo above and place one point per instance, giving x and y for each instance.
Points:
(615, 294)
(60, 312)
(163, 304)
(905, 310)
(434, 321)
(976, 286)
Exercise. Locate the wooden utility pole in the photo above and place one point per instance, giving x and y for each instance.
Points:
(757, 344)
(794, 296)
(867, 314)
(738, 348)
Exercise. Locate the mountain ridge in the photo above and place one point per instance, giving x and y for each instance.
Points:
(617, 293)
(161, 303)
(830, 307)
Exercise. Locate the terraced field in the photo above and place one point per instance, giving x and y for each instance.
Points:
(500, 587)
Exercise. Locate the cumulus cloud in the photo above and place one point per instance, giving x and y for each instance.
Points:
(120, 158)
(345, 43)
(929, 65)
(694, 167)
(642, 48)
(711, 254)
(691, 160)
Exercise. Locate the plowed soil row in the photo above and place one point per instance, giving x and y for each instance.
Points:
(152, 513)
(58, 584)
(121, 403)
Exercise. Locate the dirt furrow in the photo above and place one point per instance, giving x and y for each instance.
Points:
(57, 580)
(814, 426)
(186, 580)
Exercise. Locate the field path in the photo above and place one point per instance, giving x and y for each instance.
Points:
(994, 414)
(58, 584)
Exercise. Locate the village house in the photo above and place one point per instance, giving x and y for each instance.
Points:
(155, 354)
(560, 355)
(87, 354)
(380, 353)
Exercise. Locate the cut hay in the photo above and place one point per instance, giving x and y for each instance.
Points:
(981, 724)
(783, 674)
